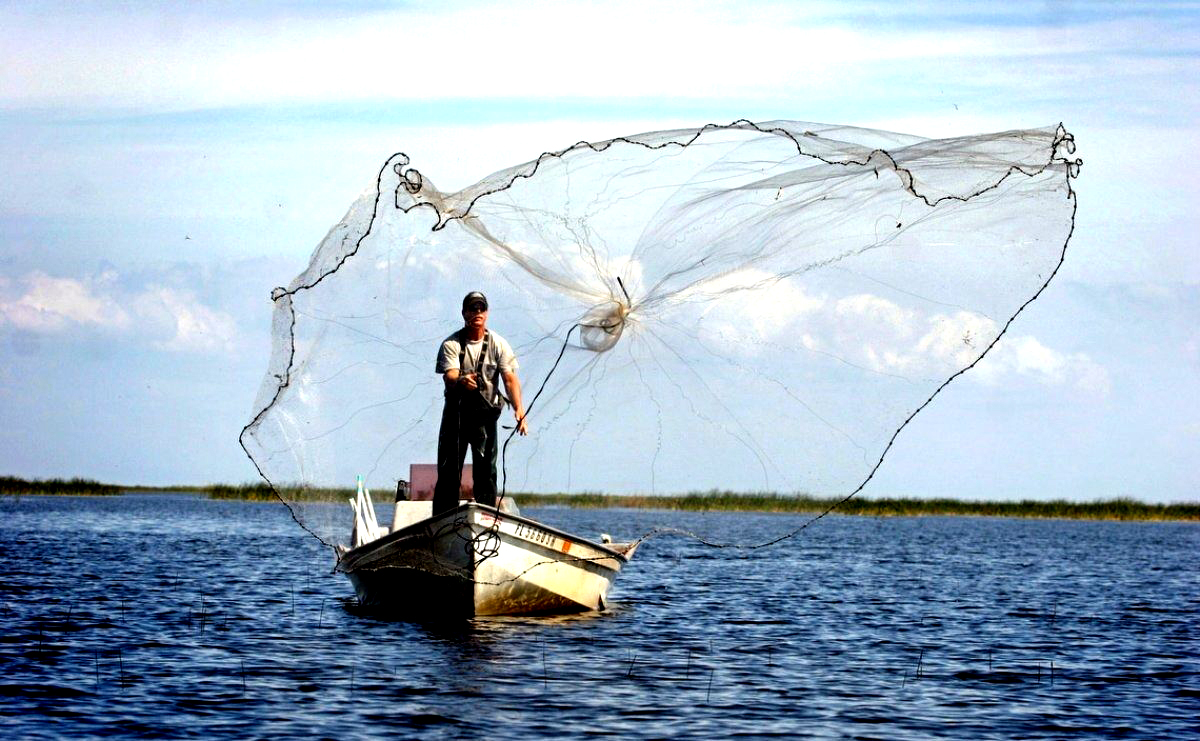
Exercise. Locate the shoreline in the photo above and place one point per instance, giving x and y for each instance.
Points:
(1123, 509)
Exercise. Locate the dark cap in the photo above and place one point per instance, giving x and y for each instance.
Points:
(474, 297)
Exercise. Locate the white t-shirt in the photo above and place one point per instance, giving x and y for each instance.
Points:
(500, 356)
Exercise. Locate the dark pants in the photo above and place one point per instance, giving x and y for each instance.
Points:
(466, 421)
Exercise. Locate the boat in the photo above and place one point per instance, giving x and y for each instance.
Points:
(475, 560)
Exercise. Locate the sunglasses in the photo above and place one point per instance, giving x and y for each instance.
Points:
(476, 309)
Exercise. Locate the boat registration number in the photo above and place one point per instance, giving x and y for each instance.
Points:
(521, 530)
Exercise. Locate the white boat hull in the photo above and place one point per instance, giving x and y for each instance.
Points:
(475, 560)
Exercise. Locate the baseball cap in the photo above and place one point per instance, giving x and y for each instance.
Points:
(474, 297)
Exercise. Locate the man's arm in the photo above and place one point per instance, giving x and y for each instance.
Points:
(513, 386)
(454, 376)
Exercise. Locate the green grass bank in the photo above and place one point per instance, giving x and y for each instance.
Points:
(1124, 508)
(1111, 509)
(720, 501)
(13, 486)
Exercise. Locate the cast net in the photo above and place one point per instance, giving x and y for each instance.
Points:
(746, 307)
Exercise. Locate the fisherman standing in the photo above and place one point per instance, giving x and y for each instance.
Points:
(472, 361)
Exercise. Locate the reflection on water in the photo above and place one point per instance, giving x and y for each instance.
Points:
(163, 615)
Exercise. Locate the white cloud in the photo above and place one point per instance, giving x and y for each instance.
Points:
(864, 306)
(958, 338)
(1026, 356)
(190, 326)
(50, 304)
(166, 318)
(762, 301)
(946, 343)
(879, 334)
(889, 338)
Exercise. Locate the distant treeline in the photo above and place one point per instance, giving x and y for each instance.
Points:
(722, 501)
(1124, 508)
(260, 492)
(13, 486)
(718, 501)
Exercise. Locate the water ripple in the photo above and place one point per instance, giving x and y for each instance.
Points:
(171, 616)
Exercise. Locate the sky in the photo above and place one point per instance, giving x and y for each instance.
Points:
(166, 165)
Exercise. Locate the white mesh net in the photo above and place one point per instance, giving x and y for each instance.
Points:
(755, 307)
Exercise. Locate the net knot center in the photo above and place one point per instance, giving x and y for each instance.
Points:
(603, 324)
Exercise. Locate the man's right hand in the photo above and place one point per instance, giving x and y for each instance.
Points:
(468, 380)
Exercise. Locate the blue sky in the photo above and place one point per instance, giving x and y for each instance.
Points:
(166, 165)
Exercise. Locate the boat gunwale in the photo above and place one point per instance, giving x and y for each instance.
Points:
(347, 561)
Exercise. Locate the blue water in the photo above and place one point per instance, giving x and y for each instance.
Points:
(175, 616)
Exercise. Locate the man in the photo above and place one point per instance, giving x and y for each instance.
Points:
(472, 361)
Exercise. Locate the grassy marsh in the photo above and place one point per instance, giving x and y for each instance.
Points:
(13, 486)
(1124, 508)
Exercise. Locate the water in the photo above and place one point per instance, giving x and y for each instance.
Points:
(174, 616)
